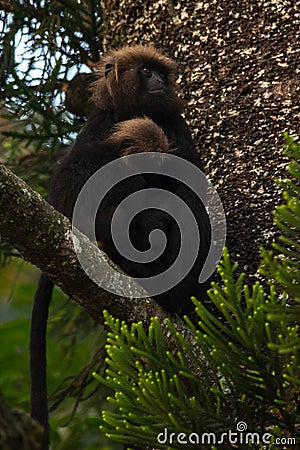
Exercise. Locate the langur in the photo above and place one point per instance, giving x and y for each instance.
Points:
(137, 109)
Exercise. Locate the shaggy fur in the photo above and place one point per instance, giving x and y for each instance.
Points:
(139, 135)
(121, 82)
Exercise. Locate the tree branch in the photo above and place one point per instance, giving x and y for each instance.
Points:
(44, 237)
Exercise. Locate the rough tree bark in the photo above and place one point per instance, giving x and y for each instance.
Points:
(239, 73)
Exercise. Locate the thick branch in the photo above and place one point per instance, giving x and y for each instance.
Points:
(45, 238)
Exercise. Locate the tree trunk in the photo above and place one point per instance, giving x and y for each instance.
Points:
(238, 70)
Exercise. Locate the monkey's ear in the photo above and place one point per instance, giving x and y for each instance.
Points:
(108, 69)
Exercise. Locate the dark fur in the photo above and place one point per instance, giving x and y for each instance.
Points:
(129, 137)
(120, 94)
(112, 90)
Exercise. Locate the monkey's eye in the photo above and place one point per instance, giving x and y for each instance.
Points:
(146, 71)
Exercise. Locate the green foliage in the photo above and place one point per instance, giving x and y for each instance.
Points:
(241, 364)
(153, 387)
(282, 265)
(44, 44)
(67, 352)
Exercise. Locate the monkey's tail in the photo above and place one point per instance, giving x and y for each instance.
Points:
(38, 363)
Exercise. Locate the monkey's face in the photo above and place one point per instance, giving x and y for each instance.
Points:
(144, 90)
(153, 80)
(137, 81)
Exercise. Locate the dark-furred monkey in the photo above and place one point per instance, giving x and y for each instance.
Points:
(137, 110)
